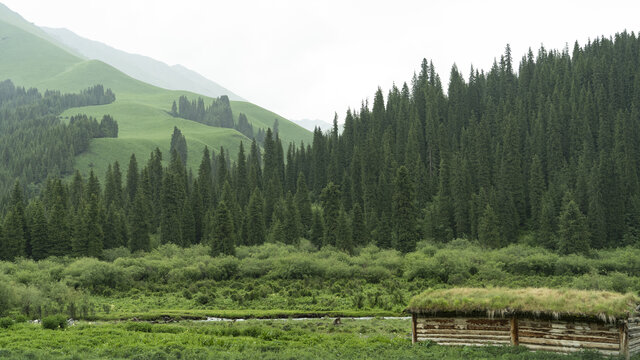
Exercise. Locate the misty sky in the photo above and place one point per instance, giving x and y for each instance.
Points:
(305, 59)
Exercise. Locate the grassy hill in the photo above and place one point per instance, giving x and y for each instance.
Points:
(141, 109)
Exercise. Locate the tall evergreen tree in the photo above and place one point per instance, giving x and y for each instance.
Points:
(40, 245)
(405, 232)
(222, 236)
(573, 232)
(179, 144)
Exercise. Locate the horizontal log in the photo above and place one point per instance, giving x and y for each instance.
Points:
(567, 349)
(566, 325)
(634, 350)
(462, 328)
(568, 343)
(468, 344)
(596, 333)
(543, 335)
(463, 321)
(634, 342)
(449, 331)
(634, 331)
(441, 341)
(466, 336)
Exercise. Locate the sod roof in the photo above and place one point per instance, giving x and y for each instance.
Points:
(557, 303)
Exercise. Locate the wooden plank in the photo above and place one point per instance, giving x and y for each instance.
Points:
(465, 341)
(566, 326)
(566, 350)
(467, 336)
(569, 343)
(460, 328)
(623, 346)
(514, 331)
(414, 335)
(538, 334)
(455, 331)
(601, 334)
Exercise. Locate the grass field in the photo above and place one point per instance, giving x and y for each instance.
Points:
(271, 339)
(141, 109)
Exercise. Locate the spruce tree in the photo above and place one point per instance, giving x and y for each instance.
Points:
(40, 245)
(256, 232)
(573, 232)
(14, 244)
(94, 236)
(331, 205)
(138, 224)
(489, 233)
(179, 144)
(221, 238)
(358, 227)
(303, 203)
(405, 232)
(344, 240)
(317, 229)
(132, 179)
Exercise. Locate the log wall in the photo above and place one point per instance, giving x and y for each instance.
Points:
(563, 336)
(535, 334)
(463, 331)
(633, 336)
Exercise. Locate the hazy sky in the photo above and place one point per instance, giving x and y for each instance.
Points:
(307, 59)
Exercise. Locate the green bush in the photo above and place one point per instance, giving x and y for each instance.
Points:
(54, 322)
(6, 322)
(97, 276)
(139, 327)
(6, 297)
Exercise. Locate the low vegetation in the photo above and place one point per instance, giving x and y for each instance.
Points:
(274, 279)
(603, 304)
(270, 339)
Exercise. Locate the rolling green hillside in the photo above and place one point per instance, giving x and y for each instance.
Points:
(141, 109)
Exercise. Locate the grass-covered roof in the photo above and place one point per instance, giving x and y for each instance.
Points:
(605, 305)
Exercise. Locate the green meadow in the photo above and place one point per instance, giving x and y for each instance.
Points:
(31, 59)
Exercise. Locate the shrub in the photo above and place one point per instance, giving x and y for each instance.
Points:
(6, 297)
(54, 322)
(138, 326)
(111, 254)
(6, 322)
(97, 276)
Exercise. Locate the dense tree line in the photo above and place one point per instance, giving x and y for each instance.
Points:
(217, 114)
(548, 155)
(35, 143)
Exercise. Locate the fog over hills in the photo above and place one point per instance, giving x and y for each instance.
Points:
(312, 124)
(140, 67)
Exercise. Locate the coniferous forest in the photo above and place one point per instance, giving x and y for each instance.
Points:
(543, 151)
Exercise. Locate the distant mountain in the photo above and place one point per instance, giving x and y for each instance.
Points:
(140, 67)
(31, 57)
(312, 124)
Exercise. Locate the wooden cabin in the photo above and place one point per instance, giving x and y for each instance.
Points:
(539, 319)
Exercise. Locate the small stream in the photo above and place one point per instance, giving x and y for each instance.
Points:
(217, 319)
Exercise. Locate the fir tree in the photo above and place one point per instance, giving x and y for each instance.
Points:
(303, 203)
(344, 239)
(331, 204)
(40, 245)
(132, 179)
(573, 233)
(489, 233)
(138, 225)
(255, 234)
(317, 229)
(404, 212)
(179, 144)
(222, 237)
